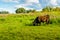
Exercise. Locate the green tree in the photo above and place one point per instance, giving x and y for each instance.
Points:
(56, 9)
(20, 10)
(28, 11)
(33, 11)
(4, 12)
(47, 8)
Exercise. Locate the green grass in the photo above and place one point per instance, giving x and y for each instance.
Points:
(19, 27)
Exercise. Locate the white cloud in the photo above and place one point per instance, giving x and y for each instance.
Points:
(58, 1)
(29, 3)
(22, 5)
(53, 2)
(17, 1)
(3, 9)
(32, 1)
(26, 6)
(39, 5)
(7, 9)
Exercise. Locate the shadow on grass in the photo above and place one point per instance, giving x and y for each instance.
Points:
(28, 24)
(35, 25)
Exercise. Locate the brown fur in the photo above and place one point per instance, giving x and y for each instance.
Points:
(40, 19)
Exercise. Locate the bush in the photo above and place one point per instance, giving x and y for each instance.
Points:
(4, 12)
(20, 10)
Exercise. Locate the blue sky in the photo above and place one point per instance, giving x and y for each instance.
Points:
(12, 5)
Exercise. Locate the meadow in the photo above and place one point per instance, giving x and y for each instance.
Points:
(19, 27)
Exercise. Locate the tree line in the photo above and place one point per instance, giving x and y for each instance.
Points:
(49, 9)
(4, 12)
(23, 10)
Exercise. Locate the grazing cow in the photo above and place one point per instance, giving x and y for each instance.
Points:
(40, 19)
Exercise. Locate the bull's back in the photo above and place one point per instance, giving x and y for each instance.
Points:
(43, 18)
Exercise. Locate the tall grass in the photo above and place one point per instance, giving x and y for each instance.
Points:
(19, 27)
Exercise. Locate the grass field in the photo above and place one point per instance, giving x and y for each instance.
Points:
(19, 27)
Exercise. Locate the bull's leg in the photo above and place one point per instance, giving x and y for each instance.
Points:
(35, 24)
(39, 23)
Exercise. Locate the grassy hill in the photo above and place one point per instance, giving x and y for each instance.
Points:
(19, 27)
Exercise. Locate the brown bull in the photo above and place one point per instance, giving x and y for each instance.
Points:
(39, 19)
